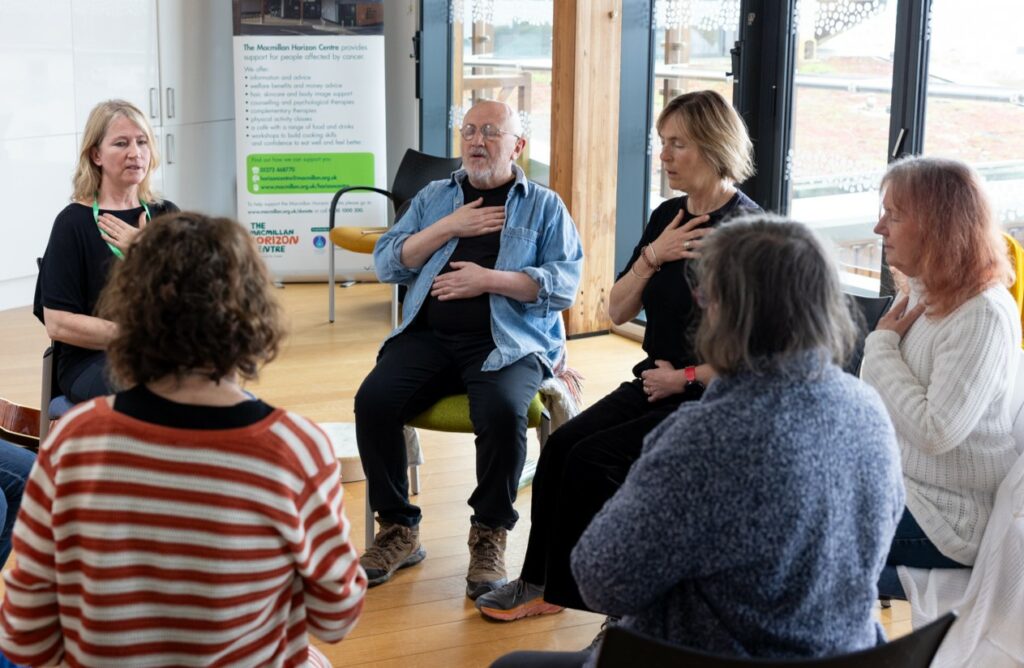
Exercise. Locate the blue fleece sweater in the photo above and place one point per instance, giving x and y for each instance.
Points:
(757, 520)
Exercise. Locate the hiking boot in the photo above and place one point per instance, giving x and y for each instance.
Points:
(486, 560)
(396, 546)
(515, 600)
(605, 625)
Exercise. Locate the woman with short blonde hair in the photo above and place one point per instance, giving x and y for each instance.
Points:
(705, 153)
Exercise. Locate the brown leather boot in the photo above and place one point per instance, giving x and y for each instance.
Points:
(396, 546)
(486, 560)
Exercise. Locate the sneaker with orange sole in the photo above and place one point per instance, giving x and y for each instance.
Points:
(515, 600)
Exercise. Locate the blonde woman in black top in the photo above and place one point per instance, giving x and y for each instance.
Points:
(112, 199)
(705, 152)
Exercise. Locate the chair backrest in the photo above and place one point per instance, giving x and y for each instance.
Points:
(1016, 253)
(417, 170)
(48, 389)
(621, 648)
(870, 311)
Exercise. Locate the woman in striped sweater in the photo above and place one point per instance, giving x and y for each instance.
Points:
(944, 358)
(181, 521)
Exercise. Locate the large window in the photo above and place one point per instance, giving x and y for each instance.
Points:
(842, 91)
(975, 102)
(502, 51)
(691, 52)
(832, 91)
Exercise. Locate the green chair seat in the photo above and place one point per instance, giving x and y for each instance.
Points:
(451, 414)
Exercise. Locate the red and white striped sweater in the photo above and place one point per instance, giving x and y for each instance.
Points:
(143, 545)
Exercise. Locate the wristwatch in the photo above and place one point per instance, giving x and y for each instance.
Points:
(691, 379)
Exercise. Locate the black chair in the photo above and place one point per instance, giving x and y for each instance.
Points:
(621, 649)
(52, 404)
(414, 172)
(867, 311)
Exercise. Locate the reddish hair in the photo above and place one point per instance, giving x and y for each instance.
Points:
(962, 249)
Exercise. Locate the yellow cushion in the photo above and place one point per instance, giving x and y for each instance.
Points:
(452, 414)
(357, 239)
(1017, 260)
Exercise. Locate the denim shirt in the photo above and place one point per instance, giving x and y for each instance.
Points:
(539, 239)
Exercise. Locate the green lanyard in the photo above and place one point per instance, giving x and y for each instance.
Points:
(96, 216)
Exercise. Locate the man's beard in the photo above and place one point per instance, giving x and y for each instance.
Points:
(480, 174)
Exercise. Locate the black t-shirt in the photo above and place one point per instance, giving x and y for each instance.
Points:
(74, 270)
(142, 404)
(468, 316)
(672, 315)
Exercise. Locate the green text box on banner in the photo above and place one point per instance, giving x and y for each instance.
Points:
(298, 173)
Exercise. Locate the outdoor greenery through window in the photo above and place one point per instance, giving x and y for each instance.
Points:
(502, 51)
(842, 90)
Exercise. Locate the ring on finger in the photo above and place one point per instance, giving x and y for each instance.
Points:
(687, 245)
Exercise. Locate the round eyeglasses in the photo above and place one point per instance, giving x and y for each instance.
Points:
(489, 131)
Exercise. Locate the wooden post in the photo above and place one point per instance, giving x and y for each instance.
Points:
(585, 145)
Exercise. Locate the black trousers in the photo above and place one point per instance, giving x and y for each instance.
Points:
(583, 464)
(527, 659)
(414, 370)
(91, 380)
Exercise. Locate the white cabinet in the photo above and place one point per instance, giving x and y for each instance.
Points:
(36, 74)
(199, 167)
(198, 105)
(196, 73)
(172, 59)
(116, 55)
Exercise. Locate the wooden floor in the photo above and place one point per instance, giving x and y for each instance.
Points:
(422, 617)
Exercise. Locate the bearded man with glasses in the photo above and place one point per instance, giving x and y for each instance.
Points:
(490, 260)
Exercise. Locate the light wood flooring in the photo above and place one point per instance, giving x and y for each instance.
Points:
(422, 617)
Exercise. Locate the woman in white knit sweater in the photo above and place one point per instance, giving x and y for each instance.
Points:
(943, 359)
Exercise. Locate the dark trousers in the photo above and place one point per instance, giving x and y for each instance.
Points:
(910, 547)
(583, 464)
(542, 660)
(414, 370)
(15, 465)
(91, 380)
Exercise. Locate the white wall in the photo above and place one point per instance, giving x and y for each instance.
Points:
(37, 135)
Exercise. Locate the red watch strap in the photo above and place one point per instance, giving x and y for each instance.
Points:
(691, 374)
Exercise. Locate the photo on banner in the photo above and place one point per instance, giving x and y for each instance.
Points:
(309, 104)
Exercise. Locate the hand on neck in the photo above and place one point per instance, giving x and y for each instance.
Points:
(113, 198)
(709, 199)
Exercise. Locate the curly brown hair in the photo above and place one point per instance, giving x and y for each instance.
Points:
(192, 295)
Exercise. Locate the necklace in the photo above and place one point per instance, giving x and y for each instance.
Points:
(96, 217)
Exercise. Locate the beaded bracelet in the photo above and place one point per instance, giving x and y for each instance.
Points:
(653, 265)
